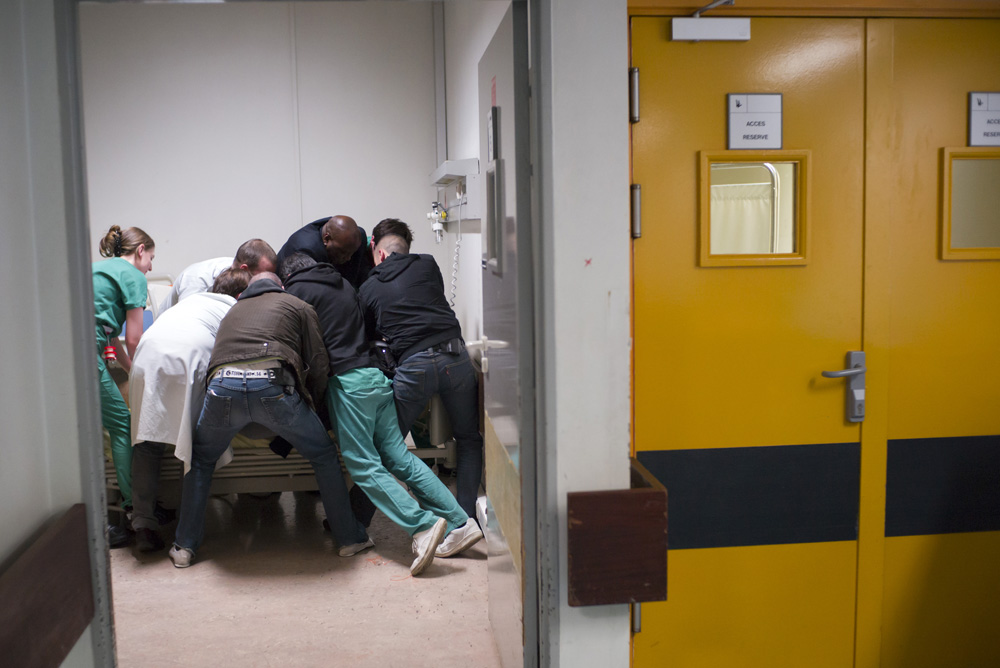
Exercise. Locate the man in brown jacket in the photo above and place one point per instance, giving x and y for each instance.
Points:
(269, 367)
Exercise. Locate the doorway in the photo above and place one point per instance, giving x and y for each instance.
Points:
(304, 189)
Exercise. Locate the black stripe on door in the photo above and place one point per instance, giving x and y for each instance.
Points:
(942, 485)
(729, 497)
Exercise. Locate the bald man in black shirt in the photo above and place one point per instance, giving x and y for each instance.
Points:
(337, 240)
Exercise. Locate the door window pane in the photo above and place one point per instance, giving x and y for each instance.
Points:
(975, 203)
(970, 208)
(753, 208)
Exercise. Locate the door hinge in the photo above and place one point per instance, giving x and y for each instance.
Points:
(633, 94)
(636, 211)
(636, 617)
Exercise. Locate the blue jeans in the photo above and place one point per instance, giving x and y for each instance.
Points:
(231, 404)
(451, 376)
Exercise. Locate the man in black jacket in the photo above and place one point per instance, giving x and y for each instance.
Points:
(360, 402)
(337, 240)
(405, 304)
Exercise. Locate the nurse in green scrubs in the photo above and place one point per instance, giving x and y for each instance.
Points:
(119, 298)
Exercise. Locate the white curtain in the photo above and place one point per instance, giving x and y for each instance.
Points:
(741, 219)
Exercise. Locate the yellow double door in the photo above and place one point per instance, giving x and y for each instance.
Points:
(799, 538)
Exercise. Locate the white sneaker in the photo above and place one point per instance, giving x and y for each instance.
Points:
(425, 543)
(351, 550)
(181, 556)
(460, 539)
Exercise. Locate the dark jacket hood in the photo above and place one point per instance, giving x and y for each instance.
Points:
(322, 273)
(259, 288)
(393, 266)
(405, 304)
(338, 309)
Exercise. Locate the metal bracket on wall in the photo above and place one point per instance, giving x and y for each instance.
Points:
(713, 5)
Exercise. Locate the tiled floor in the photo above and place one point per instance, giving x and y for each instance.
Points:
(267, 589)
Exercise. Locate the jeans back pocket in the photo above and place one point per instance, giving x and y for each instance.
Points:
(282, 409)
(215, 412)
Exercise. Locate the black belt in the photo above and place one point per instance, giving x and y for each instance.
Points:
(452, 347)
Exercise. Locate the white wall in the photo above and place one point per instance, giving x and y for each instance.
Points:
(469, 27)
(207, 125)
(583, 172)
(366, 111)
(25, 466)
(189, 121)
(41, 472)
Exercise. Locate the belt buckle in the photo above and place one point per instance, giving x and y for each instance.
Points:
(230, 372)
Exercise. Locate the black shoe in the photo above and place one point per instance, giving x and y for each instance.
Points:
(147, 540)
(118, 536)
(164, 515)
(361, 506)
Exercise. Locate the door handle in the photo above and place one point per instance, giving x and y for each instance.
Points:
(483, 345)
(844, 373)
(855, 390)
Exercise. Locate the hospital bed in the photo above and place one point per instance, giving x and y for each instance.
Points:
(255, 468)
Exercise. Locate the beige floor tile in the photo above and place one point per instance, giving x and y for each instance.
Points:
(267, 589)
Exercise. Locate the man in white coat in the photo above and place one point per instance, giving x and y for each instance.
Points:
(167, 390)
(255, 255)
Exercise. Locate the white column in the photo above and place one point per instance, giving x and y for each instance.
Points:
(581, 67)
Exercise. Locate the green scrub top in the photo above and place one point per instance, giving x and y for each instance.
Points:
(118, 287)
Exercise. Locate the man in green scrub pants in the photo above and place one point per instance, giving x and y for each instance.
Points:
(361, 405)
